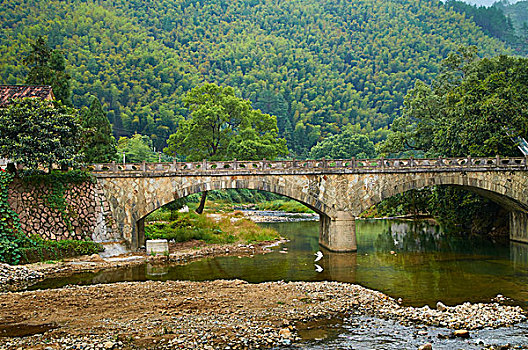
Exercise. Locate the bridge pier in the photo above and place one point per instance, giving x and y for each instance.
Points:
(140, 234)
(338, 234)
(519, 226)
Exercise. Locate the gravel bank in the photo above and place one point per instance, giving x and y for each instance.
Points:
(210, 315)
(17, 274)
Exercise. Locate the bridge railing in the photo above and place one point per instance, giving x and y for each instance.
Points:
(348, 165)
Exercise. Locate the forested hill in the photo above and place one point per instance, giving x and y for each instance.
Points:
(316, 64)
(518, 12)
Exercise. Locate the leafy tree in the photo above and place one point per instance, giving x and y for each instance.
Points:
(137, 148)
(344, 146)
(475, 107)
(48, 67)
(222, 126)
(99, 146)
(37, 133)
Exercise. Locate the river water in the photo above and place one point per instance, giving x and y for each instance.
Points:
(411, 260)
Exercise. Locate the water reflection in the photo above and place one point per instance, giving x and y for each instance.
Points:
(412, 260)
(519, 254)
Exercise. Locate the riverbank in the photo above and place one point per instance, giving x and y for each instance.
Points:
(209, 315)
(14, 278)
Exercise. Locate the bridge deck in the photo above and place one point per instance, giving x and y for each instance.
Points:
(299, 167)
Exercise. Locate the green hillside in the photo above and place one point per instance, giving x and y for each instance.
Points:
(518, 12)
(316, 64)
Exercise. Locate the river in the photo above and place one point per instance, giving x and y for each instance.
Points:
(414, 261)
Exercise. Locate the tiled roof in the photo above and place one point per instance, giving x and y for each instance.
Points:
(20, 91)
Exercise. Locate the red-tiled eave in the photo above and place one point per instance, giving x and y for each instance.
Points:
(8, 92)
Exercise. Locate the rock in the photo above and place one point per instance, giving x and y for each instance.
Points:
(427, 346)
(96, 258)
(109, 345)
(441, 307)
(285, 333)
(461, 333)
(286, 342)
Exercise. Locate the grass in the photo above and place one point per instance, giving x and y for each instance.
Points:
(189, 226)
(288, 206)
(48, 250)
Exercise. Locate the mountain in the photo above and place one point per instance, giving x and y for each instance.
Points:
(488, 3)
(518, 12)
(317, 65)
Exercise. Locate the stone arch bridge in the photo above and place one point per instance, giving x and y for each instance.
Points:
(338, 190)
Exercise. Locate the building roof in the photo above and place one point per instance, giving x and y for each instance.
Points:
(8, 92)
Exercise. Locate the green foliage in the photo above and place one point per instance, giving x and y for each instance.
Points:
(39, 249)
(222, 126)
(189, 226)
(37, 133)
(99, 146)
(475, 107)
(37, 177)
(11, 236)
(317, 65)
(289, 206)
(137, 148)
(457, 210)
(346, 145)
(48, 67)
(518, 13)
(493, 22)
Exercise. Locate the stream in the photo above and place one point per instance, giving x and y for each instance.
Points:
(411, 260)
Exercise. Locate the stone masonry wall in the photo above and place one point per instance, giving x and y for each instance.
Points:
(83, 214)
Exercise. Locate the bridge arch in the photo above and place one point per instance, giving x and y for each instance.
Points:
(506, 191)
(133, 198)
(268, 184)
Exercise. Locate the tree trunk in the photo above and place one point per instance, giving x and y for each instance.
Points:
(200, 208)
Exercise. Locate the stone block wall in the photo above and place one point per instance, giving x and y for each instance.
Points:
(78, 212)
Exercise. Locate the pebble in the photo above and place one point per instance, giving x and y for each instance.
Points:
(461, 333)
(427, 346)
(440, 306)
(16, 274)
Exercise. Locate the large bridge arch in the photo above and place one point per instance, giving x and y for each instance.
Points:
(133, 198)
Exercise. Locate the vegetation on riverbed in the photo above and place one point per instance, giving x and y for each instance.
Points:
(229, 229)
(289, 206)
(38, 249)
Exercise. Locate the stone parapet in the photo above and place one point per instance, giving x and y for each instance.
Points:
(309, 167)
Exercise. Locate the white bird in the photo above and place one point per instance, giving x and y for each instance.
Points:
(318, 268)
(318, 256)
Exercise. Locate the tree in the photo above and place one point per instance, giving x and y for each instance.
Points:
(99, 146)
(37, 133)
(475, 107)
(222, 126)
(137, 148)
(48, 67)
(346, 145)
